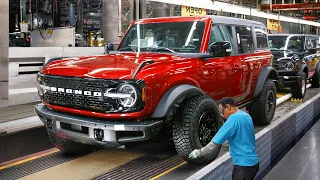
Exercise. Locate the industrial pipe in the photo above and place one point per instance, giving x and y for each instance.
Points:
(287, 97)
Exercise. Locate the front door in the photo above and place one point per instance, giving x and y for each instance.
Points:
(226, 72)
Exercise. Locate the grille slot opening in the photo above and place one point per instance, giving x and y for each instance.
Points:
(129, 134)
(67, 126)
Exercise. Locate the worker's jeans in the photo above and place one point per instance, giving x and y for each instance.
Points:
(244, 172)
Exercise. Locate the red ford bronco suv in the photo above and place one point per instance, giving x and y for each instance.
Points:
(296, 59)
(166, 74)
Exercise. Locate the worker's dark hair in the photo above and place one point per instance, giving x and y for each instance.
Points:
(227, 100)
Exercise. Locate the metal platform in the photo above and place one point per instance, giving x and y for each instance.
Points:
(302, 161)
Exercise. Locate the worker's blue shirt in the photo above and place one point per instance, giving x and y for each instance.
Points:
(238, 130)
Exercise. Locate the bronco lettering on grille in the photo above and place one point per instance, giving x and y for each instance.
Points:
(72, 91)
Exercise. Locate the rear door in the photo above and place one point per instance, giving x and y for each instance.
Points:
(246, 49)
(225, 73)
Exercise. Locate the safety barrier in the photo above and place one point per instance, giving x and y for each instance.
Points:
(273, 142)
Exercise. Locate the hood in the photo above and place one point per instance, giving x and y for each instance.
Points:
(277, 54)
(111, 66)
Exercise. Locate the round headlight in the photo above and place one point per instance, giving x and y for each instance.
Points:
(40, 90)
(129, 90)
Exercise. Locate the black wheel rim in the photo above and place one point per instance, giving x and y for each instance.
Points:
(270, 103)
(208, 127)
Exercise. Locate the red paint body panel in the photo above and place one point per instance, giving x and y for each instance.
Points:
(217, 77)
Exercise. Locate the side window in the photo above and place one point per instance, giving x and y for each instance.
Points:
(261, 35)
(311, 42)
(318, 43)
(221, 33)
(244, 39)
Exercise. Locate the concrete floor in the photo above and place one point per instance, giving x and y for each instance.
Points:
(16, 112)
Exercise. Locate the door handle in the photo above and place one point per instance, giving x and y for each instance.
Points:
(257, 64)
(236, 67)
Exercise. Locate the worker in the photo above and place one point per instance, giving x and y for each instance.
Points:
(238, 130)
(96, 42)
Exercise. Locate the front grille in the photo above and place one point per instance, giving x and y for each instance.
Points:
(277, 54)
(85, 102)
(279, 64)
(280, 67)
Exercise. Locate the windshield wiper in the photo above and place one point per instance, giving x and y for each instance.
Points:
(127, 48)
(163, 48)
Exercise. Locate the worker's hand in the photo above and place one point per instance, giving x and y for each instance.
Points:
(195, 154)
(210, 150)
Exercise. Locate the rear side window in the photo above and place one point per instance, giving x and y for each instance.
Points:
(221, 33)
(261, 35)
(244, 39)
(311, 42)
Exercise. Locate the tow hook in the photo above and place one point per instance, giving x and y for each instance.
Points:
(98, 134)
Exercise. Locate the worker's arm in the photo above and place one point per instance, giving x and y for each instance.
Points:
(226, 132)
(212, 149)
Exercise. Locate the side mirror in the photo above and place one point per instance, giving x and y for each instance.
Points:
(220, 49)
(108, 47)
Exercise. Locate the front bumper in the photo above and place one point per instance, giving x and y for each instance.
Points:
(288, 81)
(84, 129)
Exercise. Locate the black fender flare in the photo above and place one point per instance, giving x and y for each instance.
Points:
(267, 72)
(175, 96)
(301, 69)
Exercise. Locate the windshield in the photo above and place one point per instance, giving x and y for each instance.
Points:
(295, 43)
(171, 37)
(277, 42)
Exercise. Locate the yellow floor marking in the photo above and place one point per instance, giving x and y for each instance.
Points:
(28, 159)
(86, 167)
(280, 95)
(169, 170)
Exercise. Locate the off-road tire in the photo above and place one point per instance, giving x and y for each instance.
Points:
(258, 109)
(296, 89)
(69, 147)
(316, 80)
(185, 126)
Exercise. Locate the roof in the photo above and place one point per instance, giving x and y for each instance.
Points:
(214, 18)
(292, 35)
(171, 19)
(235, 21)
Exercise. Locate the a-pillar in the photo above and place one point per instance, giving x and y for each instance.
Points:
(4, 52)
(110, 13)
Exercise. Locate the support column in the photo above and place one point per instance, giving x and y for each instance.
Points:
(80, 21)
(159, 9)
(110, 13)
(171, 9)
(142, 9)
(4, 52)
